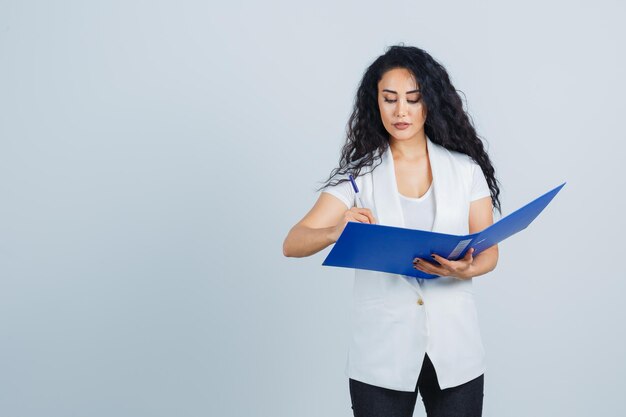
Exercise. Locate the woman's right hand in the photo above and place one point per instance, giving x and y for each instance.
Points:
(355, 214)
(322, 226)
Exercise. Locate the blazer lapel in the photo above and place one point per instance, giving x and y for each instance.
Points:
(385, 193)
(436, 158)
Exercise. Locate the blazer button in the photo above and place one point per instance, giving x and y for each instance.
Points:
(420, 301)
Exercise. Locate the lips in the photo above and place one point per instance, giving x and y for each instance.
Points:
(401, 125)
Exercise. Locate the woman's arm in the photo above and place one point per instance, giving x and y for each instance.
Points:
(322, 226)
(481, 217)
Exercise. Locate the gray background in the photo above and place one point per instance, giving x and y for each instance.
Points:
(154, 155)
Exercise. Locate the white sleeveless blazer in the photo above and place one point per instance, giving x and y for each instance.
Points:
(390, 330)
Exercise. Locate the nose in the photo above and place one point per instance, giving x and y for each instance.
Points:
(401, 109)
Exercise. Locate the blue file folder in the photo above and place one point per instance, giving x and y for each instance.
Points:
(392, 249)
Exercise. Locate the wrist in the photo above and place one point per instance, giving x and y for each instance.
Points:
(469, 273)
(331, 234)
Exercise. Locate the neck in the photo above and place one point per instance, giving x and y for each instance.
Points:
(412, 148)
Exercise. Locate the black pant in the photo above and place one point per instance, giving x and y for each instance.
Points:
(465, 400)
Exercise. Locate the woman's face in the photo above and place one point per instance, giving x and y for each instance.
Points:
(400, 101)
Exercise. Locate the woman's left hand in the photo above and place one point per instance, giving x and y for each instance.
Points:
(461, 269)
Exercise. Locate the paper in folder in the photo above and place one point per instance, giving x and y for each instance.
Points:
(392, 249)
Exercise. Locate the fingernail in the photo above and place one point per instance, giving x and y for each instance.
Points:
(432, 256)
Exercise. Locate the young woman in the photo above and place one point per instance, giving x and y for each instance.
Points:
(418, 163)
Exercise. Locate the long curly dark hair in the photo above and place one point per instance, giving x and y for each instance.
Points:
(447, 123)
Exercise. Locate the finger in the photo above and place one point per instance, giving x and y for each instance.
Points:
(372, 216)
(443, 261)
(427, 270)
(360, 218)
(368, 213)
(423, 262)
(430, 268)
(424, 272)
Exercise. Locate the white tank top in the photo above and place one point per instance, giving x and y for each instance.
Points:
(419, 213)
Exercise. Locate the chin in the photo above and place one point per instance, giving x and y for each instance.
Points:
(405, 134)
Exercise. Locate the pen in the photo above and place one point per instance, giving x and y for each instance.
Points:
(356, 191)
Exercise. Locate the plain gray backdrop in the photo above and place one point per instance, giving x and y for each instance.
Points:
(154, 155)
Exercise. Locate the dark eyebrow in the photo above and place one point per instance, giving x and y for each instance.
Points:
(395, 92)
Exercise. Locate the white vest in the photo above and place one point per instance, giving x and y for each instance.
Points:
(390, 330)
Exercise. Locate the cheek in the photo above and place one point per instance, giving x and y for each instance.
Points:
(386, 115)
(419, 115)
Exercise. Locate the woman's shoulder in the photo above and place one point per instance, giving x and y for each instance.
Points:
(461, 158)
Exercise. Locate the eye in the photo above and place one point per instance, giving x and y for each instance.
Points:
(410, 101)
